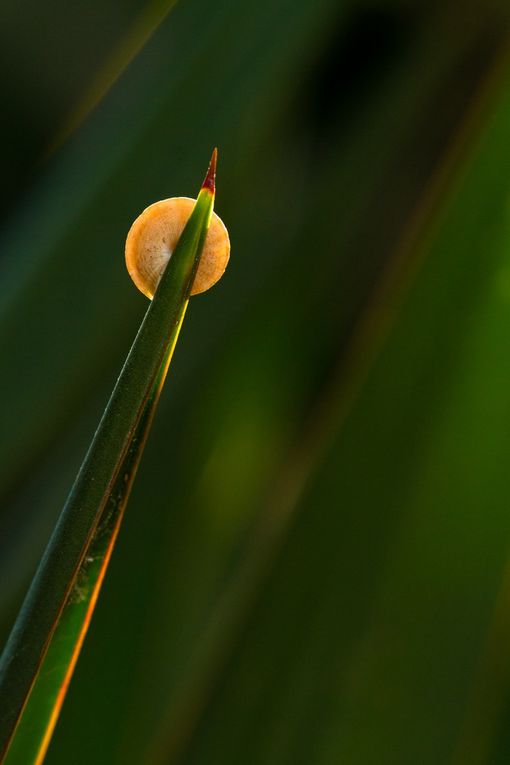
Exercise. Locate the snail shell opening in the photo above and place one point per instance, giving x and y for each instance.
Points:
(152, 239)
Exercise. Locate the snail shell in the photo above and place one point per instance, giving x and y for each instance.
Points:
(152, 239)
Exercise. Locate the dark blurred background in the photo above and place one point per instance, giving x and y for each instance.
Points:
(313, 567)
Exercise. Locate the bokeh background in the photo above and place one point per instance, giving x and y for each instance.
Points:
(314, 564)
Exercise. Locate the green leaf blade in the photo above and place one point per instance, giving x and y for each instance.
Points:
(54, 617)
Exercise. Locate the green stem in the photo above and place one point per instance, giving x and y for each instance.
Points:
(80, 524)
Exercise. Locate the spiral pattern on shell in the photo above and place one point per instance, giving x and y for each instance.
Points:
(152, 239)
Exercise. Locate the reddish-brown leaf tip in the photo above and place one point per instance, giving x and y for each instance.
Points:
(210, 178)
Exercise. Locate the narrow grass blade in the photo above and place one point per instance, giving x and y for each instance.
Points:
(40, 654)
(41, 712)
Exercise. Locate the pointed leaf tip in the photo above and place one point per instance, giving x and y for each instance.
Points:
(210, 178)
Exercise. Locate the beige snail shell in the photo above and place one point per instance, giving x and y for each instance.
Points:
(152, 239)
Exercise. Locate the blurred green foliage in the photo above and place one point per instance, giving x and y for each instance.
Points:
(322, 576)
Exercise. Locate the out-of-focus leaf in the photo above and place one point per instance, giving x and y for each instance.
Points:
(363, 642)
